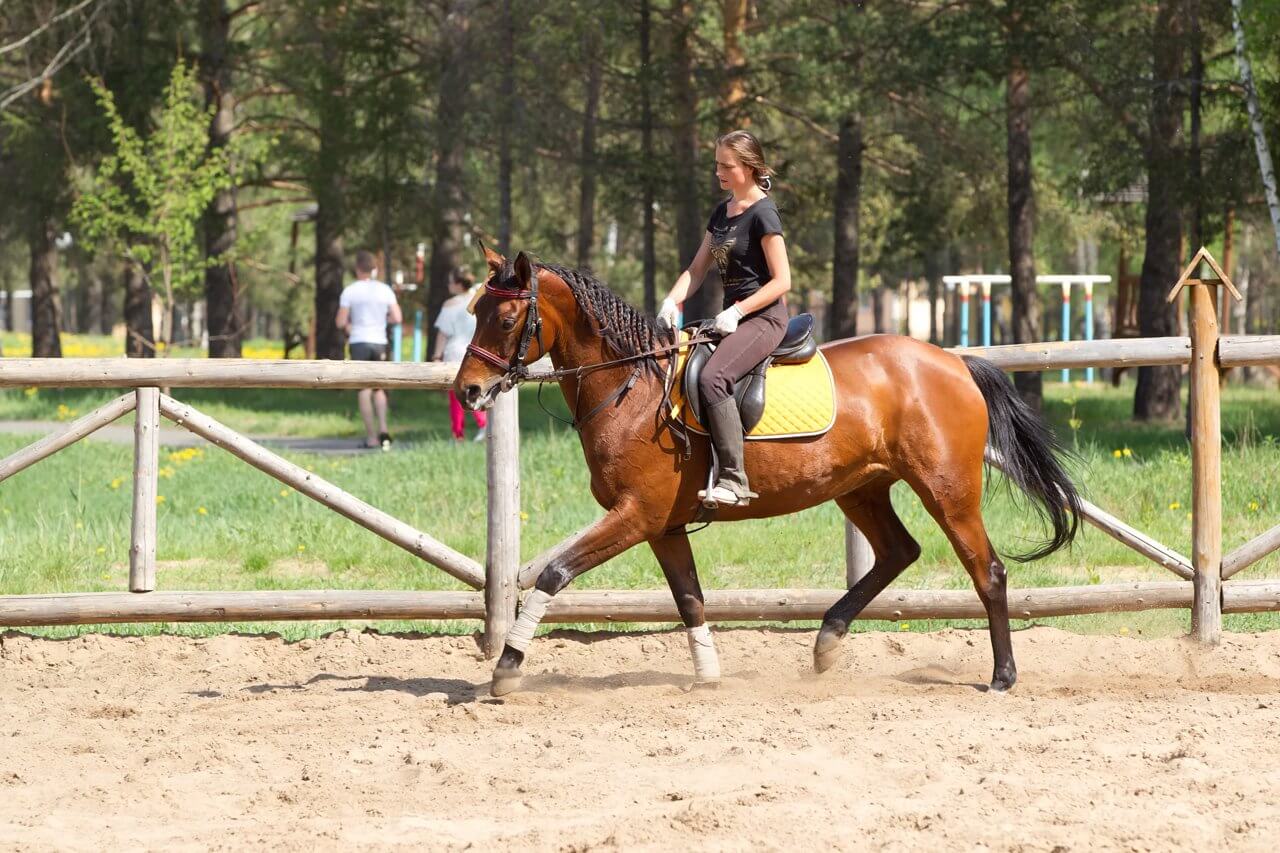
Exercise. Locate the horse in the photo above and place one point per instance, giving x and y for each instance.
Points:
(905, 410)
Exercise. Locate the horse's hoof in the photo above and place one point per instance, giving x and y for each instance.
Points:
(505, 681)
(705, 684)
(1002, 684)
(826, 651)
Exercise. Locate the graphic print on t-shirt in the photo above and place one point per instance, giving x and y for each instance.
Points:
(722, 243)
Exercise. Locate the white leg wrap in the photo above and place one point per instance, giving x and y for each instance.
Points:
(706, 663)
(531, 613)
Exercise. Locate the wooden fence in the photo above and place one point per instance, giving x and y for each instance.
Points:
(1203, 584)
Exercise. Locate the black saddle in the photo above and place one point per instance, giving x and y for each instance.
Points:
(797, 347)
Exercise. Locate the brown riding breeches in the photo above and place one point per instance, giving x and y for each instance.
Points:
(757, 335)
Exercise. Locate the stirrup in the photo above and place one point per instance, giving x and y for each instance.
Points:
(724, 496)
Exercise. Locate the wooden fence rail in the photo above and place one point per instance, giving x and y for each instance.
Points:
(500, 574)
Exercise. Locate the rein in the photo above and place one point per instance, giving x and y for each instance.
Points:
(516, 371)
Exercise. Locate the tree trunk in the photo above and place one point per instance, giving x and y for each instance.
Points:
(140, 335)
(110, 306)
(646, 159)
(690, 224)
(1265, 167)
(46, 304)
(220, 283)
(1021, 200)
(1198, 237)
(843, 322)
(1157, 396)
(734, 94)
(933, 281)
(91, 297)
(587, 196)
(8, 300)
(330, 206)
(504, 129)
(449, 205)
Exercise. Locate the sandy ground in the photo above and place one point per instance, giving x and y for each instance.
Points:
(368, 741)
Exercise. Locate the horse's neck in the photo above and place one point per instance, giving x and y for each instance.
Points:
(584, 393)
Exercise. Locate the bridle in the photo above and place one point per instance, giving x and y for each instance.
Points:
(515, 371)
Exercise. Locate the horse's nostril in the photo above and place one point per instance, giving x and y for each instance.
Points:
(471, 393)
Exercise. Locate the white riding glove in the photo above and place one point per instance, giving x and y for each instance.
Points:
(668, 315)
(726, 322)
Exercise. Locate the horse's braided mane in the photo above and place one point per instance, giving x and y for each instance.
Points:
(625, 330)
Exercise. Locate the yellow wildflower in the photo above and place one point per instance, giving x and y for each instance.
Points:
(904, 626)
(1175, 505)
(202, 511)
(1074, 423)
(1253, 506)
(101, 549)
(284, 493)
(116, 483)
(165, 472)
(301, 548)
(159, 499)
(1128, 452)
(1117, 453)
(31, 392)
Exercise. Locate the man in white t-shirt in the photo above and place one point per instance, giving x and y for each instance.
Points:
(364, 310)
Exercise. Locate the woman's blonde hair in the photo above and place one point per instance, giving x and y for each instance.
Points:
(747, 149)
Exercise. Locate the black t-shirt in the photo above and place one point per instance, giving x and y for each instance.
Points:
(736, 247)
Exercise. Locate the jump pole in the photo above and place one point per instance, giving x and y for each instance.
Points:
(1066, 324)
(986, 313)
(1088, 323)
(417, 335)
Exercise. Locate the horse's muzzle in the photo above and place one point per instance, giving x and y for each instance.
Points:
(475, 397)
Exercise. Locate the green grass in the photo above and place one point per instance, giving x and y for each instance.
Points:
(64, 524)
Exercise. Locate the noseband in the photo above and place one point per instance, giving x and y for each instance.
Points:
(515, 370)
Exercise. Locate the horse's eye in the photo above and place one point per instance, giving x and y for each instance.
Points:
(508, 323)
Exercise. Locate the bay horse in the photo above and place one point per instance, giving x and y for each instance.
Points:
(905, 410)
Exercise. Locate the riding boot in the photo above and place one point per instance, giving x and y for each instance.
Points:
(725, 425)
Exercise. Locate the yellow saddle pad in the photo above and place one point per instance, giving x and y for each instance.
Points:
(799, 400)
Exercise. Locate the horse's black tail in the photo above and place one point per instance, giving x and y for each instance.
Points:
(1027, 451)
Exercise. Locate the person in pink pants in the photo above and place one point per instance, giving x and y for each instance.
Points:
(456, 327)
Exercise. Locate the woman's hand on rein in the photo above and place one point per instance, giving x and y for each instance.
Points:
(726, 322)
(668, 315)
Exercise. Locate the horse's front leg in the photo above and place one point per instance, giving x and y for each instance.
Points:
(676, 558)
(610, 536)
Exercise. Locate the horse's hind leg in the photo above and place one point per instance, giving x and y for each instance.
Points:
(871, 510)
(676, 558)
(958, 512)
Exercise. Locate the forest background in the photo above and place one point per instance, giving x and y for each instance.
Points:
(234, 155)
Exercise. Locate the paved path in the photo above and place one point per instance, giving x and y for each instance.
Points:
(171, 436)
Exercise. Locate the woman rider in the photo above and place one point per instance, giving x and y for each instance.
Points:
(744, 237)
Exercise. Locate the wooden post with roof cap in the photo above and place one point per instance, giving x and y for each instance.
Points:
(1206, 448)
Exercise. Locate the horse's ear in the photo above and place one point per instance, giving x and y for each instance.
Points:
(524, 269)
(492, 258)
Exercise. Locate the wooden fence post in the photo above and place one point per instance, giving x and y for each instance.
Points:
(502, 558)
(1206, 470)
(858, 556)
(146, 465)
(1206, 448)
